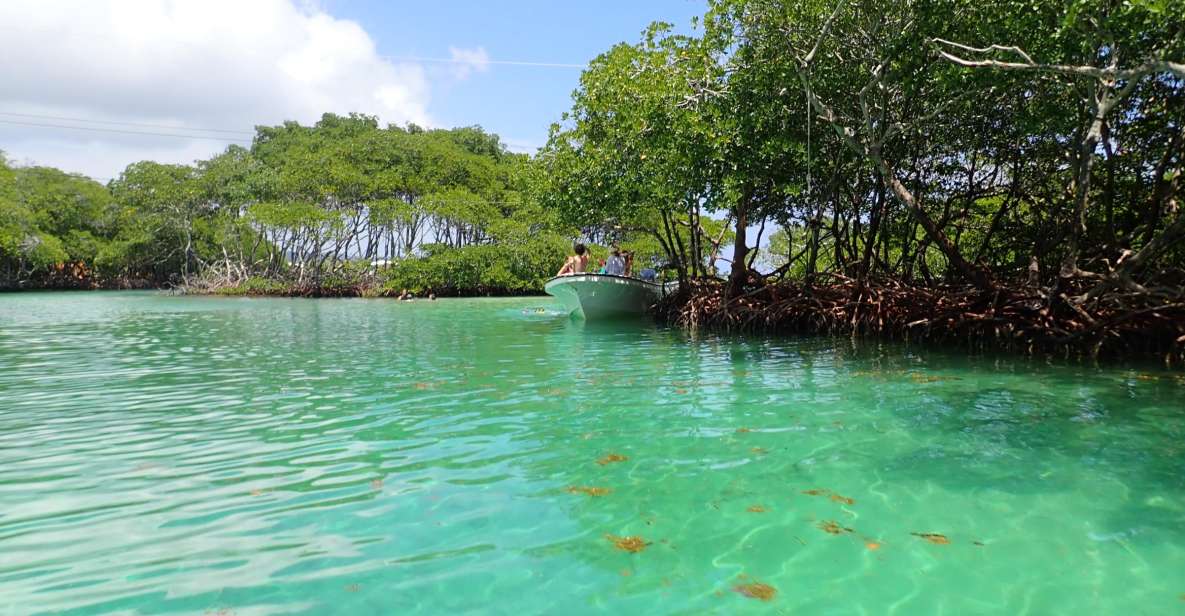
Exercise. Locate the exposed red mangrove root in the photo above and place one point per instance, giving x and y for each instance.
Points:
(1032, 320)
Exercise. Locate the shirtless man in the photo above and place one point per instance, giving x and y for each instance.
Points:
(577, 263)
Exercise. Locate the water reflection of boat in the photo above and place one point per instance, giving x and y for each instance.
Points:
(598, 296)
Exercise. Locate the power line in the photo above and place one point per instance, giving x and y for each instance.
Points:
(92, 121)
(523, 145)
(126, 132)
(481, 62)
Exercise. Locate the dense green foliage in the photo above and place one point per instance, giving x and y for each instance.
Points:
(55, 227)
(925, 140)
(929, 141)
(343, 206)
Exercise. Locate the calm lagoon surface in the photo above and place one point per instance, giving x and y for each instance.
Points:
(198, 455)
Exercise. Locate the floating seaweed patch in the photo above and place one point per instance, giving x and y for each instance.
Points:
(743, 430)
(626, 573)
(632, 544)
(978, 543)
(759, 451)
(376, 484)
(424, 386)
(834, 528)
(353, 587)
(756, 509)
(839, 498)
(872, 545)
(935, 538)
(611, 458)
(756, 590)
(589, 490)
(680, 391)
(834, 496)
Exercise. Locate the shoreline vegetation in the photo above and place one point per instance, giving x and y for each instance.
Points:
(980, 174)
(966, 174)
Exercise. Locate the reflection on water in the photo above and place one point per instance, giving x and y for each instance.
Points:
(256, 456)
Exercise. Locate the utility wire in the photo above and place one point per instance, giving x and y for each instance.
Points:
(521, 145)
(92, 121)
(477, 64)
(126, 132)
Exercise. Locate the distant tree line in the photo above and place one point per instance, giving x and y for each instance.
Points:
(340, 207)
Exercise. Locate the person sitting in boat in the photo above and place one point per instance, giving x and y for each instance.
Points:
(615, 264)
(576, 264)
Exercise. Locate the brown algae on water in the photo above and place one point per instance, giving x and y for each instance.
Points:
(756, 509)
(834, 528)
(834, 496)
(935, 538)
(589, 490)
(611, 458)
(632, 544)
(756, 590)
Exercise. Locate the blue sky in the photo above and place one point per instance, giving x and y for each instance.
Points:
(517, 102)
(91, 87)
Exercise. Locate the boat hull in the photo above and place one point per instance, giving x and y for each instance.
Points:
(602, 296)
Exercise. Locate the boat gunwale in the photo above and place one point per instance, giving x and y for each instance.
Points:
(596, 275)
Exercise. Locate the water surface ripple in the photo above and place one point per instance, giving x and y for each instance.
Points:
(167, 455)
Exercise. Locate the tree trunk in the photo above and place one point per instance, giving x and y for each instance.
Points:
(978, 277)
(739, 273)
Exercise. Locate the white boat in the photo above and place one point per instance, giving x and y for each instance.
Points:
(599, 296)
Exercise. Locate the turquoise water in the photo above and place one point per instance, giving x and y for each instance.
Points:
(167, 455)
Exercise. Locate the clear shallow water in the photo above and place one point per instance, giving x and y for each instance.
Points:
(165, 455)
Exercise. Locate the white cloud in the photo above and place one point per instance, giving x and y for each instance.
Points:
(213, 63)
(467, 61)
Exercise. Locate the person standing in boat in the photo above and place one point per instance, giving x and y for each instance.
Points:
(615, 265)
(576, 264)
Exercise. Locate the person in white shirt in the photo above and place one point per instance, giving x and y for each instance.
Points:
(615, 264)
